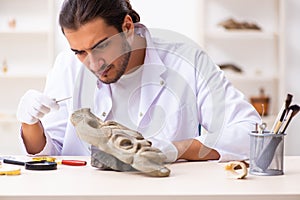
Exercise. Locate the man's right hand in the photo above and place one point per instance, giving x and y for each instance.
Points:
(33, 106)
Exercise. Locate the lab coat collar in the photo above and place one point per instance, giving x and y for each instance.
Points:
(152, 56)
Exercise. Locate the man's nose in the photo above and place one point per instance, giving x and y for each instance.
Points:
(95, 62)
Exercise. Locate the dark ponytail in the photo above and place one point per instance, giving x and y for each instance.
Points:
(133, 14)
(75, 13)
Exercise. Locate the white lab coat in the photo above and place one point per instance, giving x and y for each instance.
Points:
(181, 88)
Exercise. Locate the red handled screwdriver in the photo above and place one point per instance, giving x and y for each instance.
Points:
(72, 162)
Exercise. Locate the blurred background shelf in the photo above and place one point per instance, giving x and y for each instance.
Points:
(23, 75)
(259, 53)
(26, 56)
(10, 135)
(240, 35)
(26, 50)
(21, 33)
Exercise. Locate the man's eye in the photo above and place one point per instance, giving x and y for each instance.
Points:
(80, 53)
(102, 45)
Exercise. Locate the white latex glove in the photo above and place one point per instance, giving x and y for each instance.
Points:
(33, 106)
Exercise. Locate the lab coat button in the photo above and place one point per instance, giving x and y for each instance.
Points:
(141, 114)
(104, 114)
(162, 82)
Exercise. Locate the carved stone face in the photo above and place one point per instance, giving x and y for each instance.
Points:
(126, 145)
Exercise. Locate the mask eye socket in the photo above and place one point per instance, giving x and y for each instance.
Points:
(93, 123)
(126, 144)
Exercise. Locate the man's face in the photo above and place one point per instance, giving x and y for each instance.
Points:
(102, 49)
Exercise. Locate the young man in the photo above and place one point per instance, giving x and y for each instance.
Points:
(164, 90)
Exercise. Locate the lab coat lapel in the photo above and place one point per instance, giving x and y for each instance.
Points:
(103, 101)
(152, 81)
(152, 85)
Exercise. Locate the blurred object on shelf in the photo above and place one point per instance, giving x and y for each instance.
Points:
(231, 66)
(261, 103)
(232, 24)
(258, 72)
(4, 66)
(7, 117)
(12, 23)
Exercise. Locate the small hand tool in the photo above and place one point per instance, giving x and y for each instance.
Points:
(60, 100)
(9, 170)
(72, 162)
(33, 165)
(63, 162)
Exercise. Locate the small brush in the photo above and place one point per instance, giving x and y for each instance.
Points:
(295, 109)
(281, 115)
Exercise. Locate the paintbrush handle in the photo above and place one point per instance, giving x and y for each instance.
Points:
(277, 127)
(289, 119)
(282, 113)
(277, 120)
(286, 125)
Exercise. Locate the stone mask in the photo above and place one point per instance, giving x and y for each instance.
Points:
(117, 147)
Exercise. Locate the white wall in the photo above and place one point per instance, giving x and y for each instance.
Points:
(174, 15)
(292, 144)
(60, 41)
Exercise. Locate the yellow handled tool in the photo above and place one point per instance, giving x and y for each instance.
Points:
(9, 170)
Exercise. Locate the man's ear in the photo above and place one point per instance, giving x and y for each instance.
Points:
(128, 28)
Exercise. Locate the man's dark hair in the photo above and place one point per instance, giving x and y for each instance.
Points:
(75, 13)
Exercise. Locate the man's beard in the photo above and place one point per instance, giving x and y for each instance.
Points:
(121, 65)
